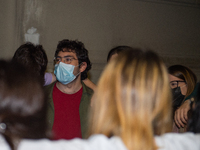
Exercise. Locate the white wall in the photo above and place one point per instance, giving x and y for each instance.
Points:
(172, 30)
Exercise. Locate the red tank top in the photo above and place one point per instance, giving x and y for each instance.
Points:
(66, 117)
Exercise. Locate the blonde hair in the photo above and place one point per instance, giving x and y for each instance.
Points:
(133, 100)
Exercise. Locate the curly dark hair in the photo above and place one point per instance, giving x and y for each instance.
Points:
(78, 48)
(33, 57)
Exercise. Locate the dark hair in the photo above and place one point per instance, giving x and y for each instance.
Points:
(78, 48)
(185, 74)
(33, 57)
(194, 121)
(117, 50)
(23, 104)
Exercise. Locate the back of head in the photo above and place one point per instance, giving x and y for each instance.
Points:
(33, 57)
(117, 50)
(79, 49)
(185, 74)
(133, 100)
(22, 103)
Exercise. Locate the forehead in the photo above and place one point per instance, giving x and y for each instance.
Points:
(173, 78)
(63, 54)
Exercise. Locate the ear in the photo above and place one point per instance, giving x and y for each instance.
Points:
(83, 66)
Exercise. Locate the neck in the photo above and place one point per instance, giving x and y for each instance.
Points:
(70, 88)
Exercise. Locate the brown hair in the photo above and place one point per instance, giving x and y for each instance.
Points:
(22, 104)
(33, 57)
(185, 74)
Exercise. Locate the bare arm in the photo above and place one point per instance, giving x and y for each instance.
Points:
(89, 83)
(181, 116)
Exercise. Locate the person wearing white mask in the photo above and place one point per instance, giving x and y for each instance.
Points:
(69, 97)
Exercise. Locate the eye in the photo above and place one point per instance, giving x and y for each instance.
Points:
(173, 84)
(58, 59)
(68, 59)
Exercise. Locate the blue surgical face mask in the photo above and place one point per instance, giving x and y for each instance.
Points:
(64, 73)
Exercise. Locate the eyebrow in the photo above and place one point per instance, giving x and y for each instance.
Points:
(66, 56)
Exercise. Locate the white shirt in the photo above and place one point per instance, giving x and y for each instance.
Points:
(178, 141)
(170, 141)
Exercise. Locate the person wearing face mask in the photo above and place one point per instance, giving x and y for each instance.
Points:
(182, 82)
(69, 97)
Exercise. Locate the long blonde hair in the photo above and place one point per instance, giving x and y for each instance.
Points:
(133, 100)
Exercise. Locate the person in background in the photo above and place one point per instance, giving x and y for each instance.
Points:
(194, 121)
(50, 77)
(132, 110)
(114, 52)
(23, 106)
(89, 83)
(69, 97)
(184, 110)
(182, 82)
(33, 57)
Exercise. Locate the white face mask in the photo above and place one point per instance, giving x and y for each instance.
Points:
(64, 72)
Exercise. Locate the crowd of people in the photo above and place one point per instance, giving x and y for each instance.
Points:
(137, 104)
